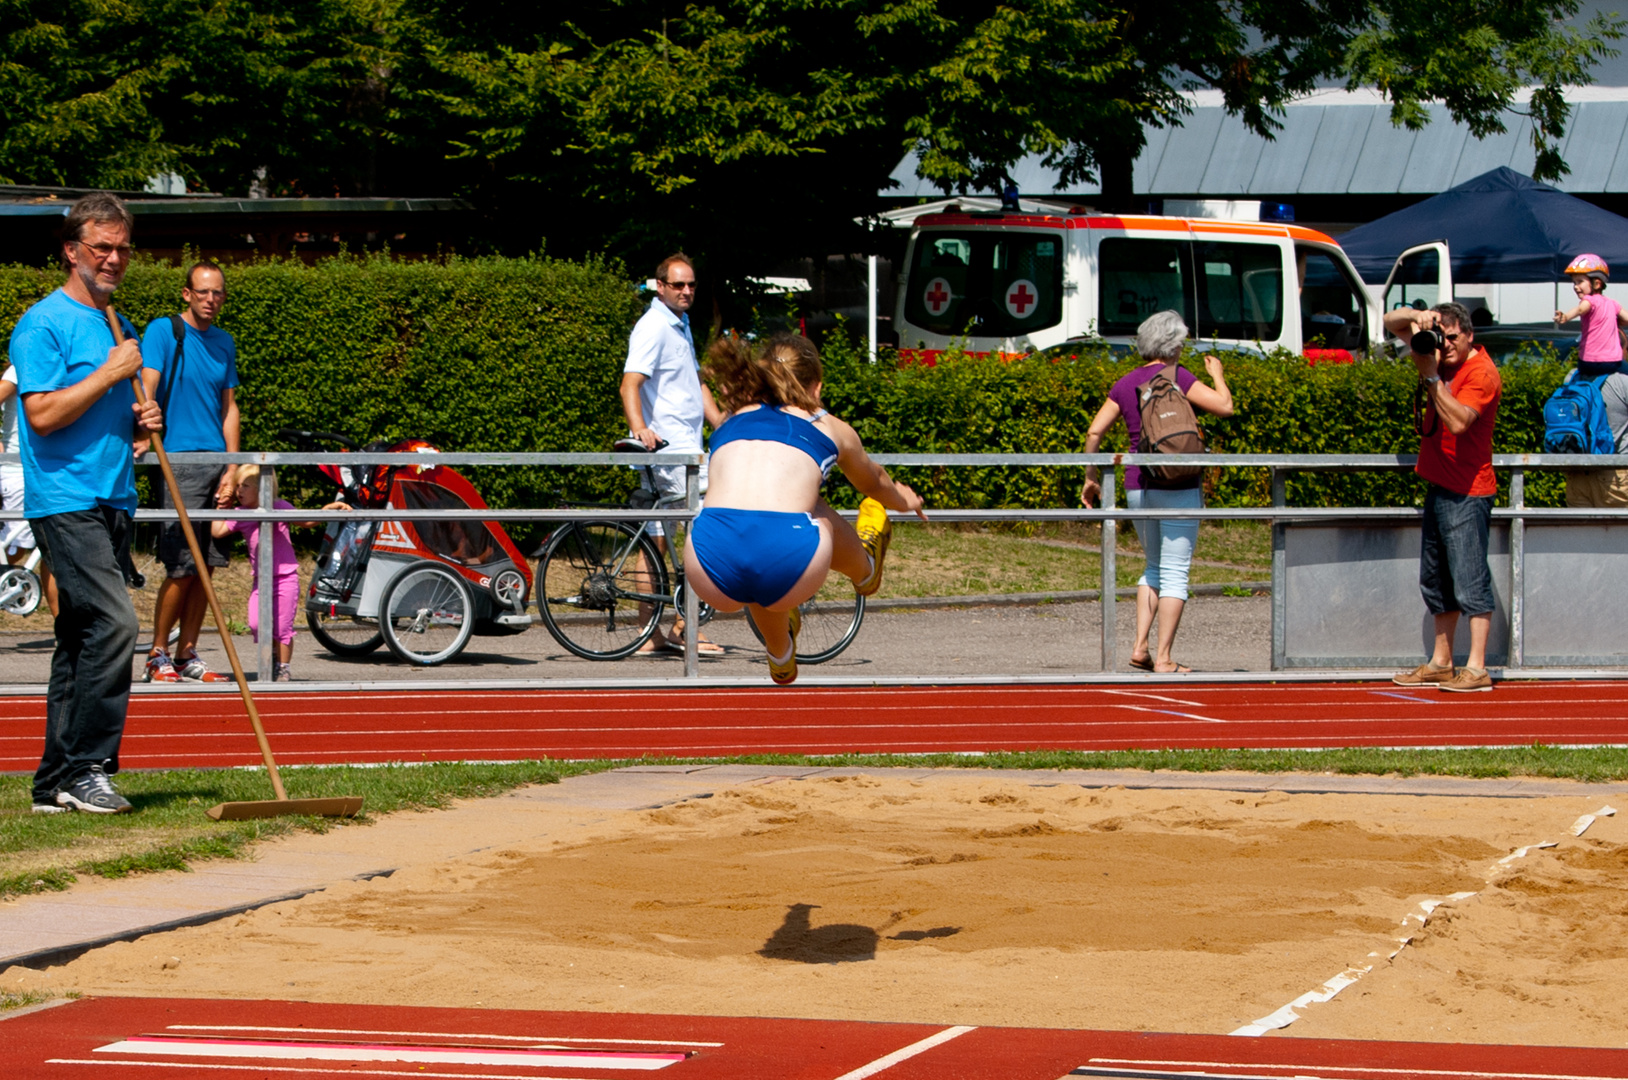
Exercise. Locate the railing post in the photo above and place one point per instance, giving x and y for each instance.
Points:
(692, 607)
(1110, 575)
(1517, 569)
(1280, 497)
(266, 649)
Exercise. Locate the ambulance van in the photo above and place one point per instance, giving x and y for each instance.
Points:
(1016, 282)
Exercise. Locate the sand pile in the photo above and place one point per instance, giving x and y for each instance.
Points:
(969, 901)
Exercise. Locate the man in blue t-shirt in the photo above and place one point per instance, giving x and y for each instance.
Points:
(194, 381)
(80, 488)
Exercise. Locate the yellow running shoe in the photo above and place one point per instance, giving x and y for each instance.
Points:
(875, 529)
(784, 674)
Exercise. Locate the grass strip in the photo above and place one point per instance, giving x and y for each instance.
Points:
(168, 831)
(40, 853)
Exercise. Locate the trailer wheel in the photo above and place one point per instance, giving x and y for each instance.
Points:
(427, 614)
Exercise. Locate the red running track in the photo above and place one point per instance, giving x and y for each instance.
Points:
(211, 730)
(149, 1038)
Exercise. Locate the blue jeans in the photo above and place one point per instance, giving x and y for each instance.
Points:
(1168, 545)
(1453, 574)
(96, 630)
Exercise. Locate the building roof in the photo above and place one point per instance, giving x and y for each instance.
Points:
(1339, 142)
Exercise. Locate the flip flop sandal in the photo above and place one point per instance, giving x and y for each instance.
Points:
(702, 648)
(1144, 664)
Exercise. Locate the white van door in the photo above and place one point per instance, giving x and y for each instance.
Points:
(1422, 277)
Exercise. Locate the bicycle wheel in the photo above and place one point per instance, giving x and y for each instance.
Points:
(592, 579)
(426, 614)
(344, 635)
(829, 626)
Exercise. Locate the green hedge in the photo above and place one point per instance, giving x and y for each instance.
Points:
(526, 354)
(470, 354)
(1035, 405)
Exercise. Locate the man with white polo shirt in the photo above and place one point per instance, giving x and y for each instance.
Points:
(663, 398)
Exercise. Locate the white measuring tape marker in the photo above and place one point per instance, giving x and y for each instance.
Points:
(1287, 1014)
(1518, 853)
(1580, 826)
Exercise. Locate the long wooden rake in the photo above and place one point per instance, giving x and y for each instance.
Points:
(339, 806)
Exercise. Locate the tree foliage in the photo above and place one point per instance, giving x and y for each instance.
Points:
(742, 127)
(286, 94)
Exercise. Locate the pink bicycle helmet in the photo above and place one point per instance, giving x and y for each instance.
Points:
(1589, 264)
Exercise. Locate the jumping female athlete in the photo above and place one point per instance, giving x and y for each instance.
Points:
(765, 540)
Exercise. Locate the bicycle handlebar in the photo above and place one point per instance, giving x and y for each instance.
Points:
(631, 445)
(308, 440)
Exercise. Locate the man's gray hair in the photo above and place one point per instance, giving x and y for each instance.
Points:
(102, 207)
(1161, 336)
(1456, 313)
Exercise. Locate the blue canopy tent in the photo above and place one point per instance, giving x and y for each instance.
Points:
(1501, 228)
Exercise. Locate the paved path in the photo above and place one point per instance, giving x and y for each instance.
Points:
(1217, 634)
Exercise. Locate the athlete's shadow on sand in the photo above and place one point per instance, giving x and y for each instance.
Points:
(835, 943)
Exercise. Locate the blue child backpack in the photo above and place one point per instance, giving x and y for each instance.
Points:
(1574, 420)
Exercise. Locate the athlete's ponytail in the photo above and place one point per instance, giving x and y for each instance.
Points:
(783, 373)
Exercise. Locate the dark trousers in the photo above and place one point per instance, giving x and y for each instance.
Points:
(96, 632)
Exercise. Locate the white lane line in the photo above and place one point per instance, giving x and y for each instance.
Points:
(1171, 712)
(261, 1070)
(1155, 697)
(539, 1039)
(1348, 1069)
(905, 1053)
(427, 1054)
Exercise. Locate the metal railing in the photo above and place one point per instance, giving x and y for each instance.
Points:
(1109, 514)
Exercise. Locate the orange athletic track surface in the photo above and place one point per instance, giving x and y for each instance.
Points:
(148, 1038)
(327, 727)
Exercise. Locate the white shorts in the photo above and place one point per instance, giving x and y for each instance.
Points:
(670, 480)
(14, 535)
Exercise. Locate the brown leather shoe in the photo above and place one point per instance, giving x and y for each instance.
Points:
(1426, 674)
(1469, 680)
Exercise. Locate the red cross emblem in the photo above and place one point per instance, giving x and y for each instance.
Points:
(938, 296)
(1022, 298)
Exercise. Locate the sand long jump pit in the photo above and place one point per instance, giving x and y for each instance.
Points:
(960, 900)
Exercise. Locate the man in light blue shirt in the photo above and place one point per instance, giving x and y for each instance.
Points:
(662, 398)
(80, 420)
(194, 381)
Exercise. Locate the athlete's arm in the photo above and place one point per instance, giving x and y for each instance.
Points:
(866, 475)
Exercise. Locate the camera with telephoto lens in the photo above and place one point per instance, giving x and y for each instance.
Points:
(1429, 341)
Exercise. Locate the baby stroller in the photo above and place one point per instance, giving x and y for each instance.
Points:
(420, 587)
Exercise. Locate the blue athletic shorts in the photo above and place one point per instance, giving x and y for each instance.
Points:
(754, 556)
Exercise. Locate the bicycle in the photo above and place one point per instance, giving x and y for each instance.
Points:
(602, 586)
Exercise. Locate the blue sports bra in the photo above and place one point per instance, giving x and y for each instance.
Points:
(767, 423)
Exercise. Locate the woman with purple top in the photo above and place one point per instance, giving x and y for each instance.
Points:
(1167, 545)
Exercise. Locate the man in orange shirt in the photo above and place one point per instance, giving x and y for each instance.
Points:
(1462, 388)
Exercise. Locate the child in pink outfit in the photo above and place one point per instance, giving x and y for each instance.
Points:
(285, 565)
(1600, 346)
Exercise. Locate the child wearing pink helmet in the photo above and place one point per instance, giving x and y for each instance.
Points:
(1600, 346)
